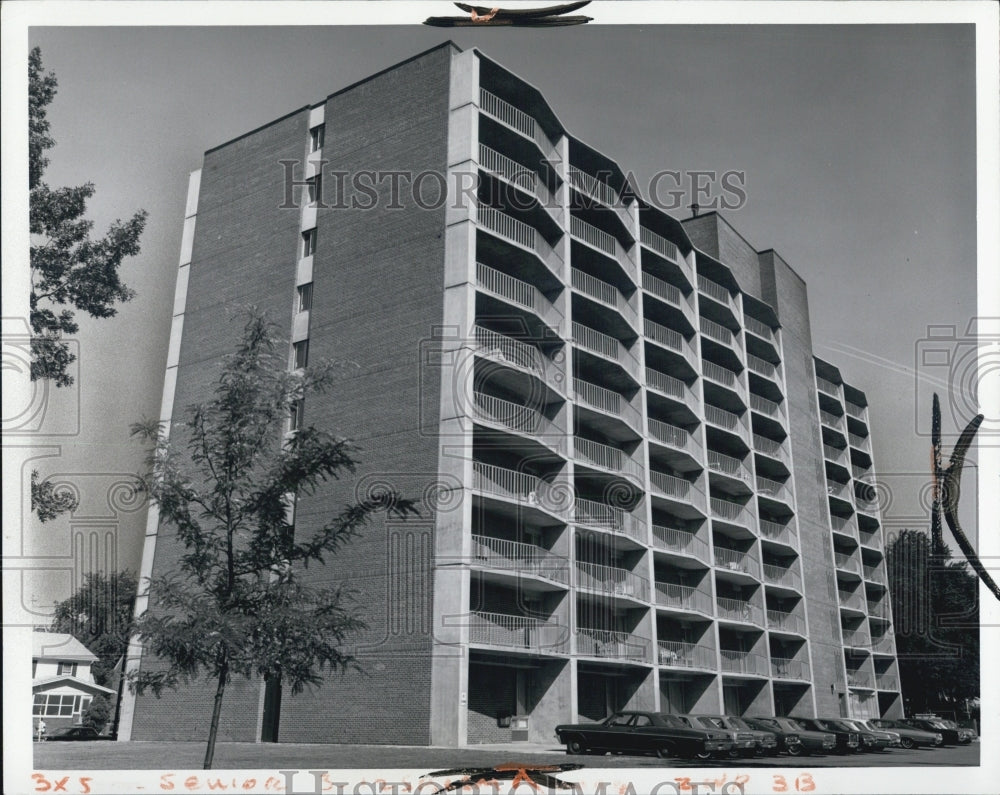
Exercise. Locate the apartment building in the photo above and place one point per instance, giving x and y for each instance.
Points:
(639, 488)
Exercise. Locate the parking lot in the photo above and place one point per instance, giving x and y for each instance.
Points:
(247, 756)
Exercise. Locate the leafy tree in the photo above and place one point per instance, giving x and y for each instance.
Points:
(68, 268)
(936, 616)
(46, 502)
(97, 713)
(236, 605)
(99, 615)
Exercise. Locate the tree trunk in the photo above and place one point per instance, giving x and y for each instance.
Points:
(216, 712)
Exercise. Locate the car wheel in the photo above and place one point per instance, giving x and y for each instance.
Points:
(575, 746)
(665, 751)
(735, 753)
(701, 755)
(794, 750)
(906, 742)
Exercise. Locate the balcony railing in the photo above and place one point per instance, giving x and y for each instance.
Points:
(834, 454)
(603, 241)
(862, 679)
(832, 420)
(509, 350)
(886, 682)
(716, 291)
(500, 553)
(515, 118)
(762, 330)
(734, 560)
(518, 232)
(612, 580)
(670, 339)
(856, 639)
(608, 517)
(675, 540)
(731, 512)
(728, 465)
(670, 485)
(847, 562)
(517, 292)
(677, 654)
(602, 192)
(659, 244)
(778, 532)
(718, 332)
(663, 290)
(604, 345)
(765, 406)
(740, 610)
(520, 486)
(725, 419)
(608, 401)
(787, 621)
(518, 418)
(608, 643)
(721, 375)
(785, 668)
(604, 293)
(860, 473)
(743, 662)
(773, 489)
(779, 575)
(683, 597)
(852, 600)
(872, 540)
(874, 574)
(868, 506)
(762, 367)
(668, 385)
(861, 442)
(855, 411)
(845, 526)
(607, 457)
(496, 163)
(883, 644)
(827, 386)
(517, 632)
(672, 436)
(835, 489)
(770, 447)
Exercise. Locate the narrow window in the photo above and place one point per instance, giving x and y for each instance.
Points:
(300, 354)
(295, 418)
(308, 243)
(314, 189)
(304, 297)
(67, 669)
(316, 135)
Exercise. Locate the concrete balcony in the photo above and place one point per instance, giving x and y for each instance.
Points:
(603, 242)
(783, 621)
(768, 408)
(736, 561)
(727, 420)
(520, 234)
(779, 533)
(518, 175)
(741, 610)
(521, 633)
(731, 512)
(676, 489)
(844, 527)
(682, 542)
(771, 448)
(858, 412)
(607, 458)
(673, 388)
(606, 347)
(669, 294)
(760, 330)
(717, 293)
(728, 465)
(606, 295)
(887, 682)
(518, 559)
(517, 120)
(875, 574)
(612, 580)
(518, 355)
(851, 601)
(744, 663)
(519, 293)
(722, 335)
(590, 513)
(835, 455)
(828, 387)
(846, 562)
(773, 490)
(516, 418)
(724, 377)
(608, 402)
(682, 597)
(863, 680)
(662, 247)
(677, 654)
(673, 437)
(884, 644)
(764, 368)
(672, 341)
(859, 442)
(790, 668)
(600, 191)
(613, 645)
(857, 639)
(520, 487)
(778, 575)
(832, 421)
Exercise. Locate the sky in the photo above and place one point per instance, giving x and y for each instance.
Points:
(858, 145)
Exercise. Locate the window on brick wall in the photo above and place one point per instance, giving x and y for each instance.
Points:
(296, 415)
(308, 242)
(314, 189)
(304, 297)
(316, 136)
(300, 354)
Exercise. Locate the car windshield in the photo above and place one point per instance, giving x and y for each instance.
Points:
(673, 721)
(617, 720)
(790, 723)
(739, 723)
(712, 723)
(836, 724)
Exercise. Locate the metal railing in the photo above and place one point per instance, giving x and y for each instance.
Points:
(856, 639)
(668, 385)
(603, 241)
(855, 411)
(670, 339)
(860, 472)
(518, 232)
(770, 447)
(743, 662)
(683, 597)
(607, 457)
(608, 401)
(517, 632)
(832, 420)
(605, 293)
(500, 553)
(868, 506)
(731, 511)
(861, 442)
(517, 292)
(827, 386)
(609, 643)
(847, 562)
(874, 573)
(762, 330)
(663, 290)
(716, 291)
(612, 580)
(779, 575)
(718, 332)
(763, 367)
(728, 465)
(777, 532)
(883, 644)
(520, 486)
(852, 600)
(593, 187)
(739, 610)
(834, 454)
(670, 485)
(886, 682)
(499, 346)
(659, 244)
(721, 375)
(677, 540)
(845, 526)
(734, 560)
(764, 406)
(773, 489)
(519, 418)
(678, 654)
(608, 517)
(870, 539)
(496, 163)
(604, 345)
(515, 118)
(672, 436)
(787, 621)
(787, 668)
(835, 489)
(860, 679)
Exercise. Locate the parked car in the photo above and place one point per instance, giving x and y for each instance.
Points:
(810, 742)
(644, 732)
(909, 737)
(892, 737)
(68, 733)
(869, 741)
(949, 735)
(746, 741)
(965, 734)
(847, 739)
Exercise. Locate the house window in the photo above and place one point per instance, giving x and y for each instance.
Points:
(314, 189)
(296, 414)
(67, 669)
(304, 297)
(316, 136)
(308, 243)
(300, 354)
(48, 705)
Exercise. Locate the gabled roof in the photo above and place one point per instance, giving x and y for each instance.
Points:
(59, 646)
(52, 681)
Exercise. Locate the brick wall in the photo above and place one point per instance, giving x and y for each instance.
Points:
(491, 691)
